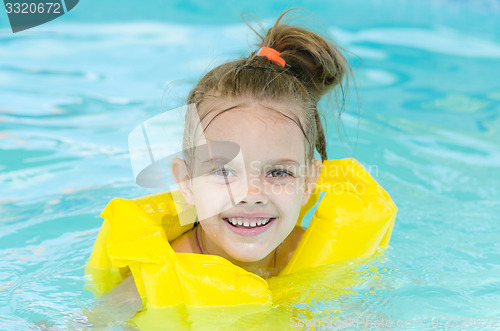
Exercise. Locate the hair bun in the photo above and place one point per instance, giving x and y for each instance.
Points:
(315, 61)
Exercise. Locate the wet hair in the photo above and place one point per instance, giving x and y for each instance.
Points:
(314, 67)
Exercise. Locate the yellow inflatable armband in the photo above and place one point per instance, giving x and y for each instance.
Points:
(354, 217)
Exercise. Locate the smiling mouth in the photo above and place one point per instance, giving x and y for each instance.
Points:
(249, 223)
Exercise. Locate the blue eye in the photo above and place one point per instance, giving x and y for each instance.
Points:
(277, 173)
(221, 172)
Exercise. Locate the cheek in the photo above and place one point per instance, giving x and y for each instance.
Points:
(289, 188)
(287, 196)
(210, 198)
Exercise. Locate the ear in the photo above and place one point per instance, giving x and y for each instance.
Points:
(314, 172)
(181, 176)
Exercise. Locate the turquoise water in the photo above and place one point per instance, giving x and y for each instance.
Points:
(427, 76)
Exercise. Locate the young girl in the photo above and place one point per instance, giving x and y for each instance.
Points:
(250, 167)
(267, 106)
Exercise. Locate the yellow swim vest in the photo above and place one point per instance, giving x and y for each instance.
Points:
(354, 217)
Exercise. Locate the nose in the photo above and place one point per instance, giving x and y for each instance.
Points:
(256, 194)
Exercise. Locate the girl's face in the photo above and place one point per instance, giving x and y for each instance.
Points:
(249, 180)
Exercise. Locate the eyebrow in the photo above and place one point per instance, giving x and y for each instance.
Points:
(282, 161)
(271, 163)
(216, 160)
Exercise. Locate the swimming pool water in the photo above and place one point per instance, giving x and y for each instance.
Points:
(429, 128)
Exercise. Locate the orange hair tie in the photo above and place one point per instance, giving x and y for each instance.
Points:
(272, 55)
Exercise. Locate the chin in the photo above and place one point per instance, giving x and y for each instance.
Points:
(244, 256)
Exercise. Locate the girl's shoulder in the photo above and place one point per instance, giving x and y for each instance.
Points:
(184, 243)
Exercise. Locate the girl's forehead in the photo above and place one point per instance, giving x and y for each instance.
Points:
(253, 125)
(259, 133)
(215, 107)
(250, 115)
(256, 118)
(260, 129)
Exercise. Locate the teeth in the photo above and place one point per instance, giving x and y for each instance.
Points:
(246, 222)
